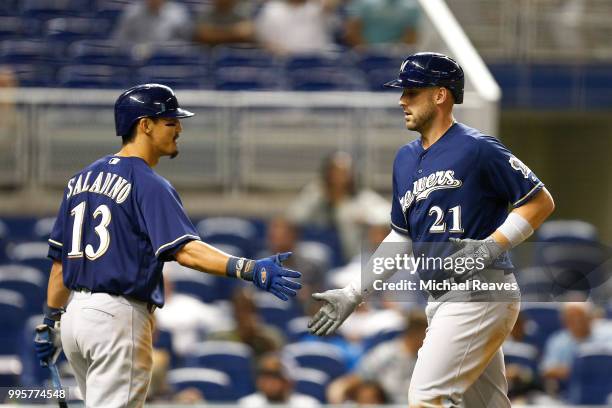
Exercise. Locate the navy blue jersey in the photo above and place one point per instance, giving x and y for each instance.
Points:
(117, 224)
(461, 187)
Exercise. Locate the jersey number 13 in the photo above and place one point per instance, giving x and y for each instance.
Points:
(76, 250)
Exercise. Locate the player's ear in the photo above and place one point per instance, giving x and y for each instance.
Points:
(440, 95)
(146, 125)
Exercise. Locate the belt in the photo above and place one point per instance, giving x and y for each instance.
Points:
(436, 294)
(150, 306)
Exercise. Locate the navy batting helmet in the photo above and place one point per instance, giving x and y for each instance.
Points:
(430, 69)
(146, 101)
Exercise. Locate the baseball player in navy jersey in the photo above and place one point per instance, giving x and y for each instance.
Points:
(118, 223)
(452, 185)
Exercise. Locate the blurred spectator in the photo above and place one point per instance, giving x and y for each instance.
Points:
(153, 21)
(373, 22)
(249, 329)
(522, 378)
(188, 319)
(390, 363)
(334, 201)
(224, 23)
(282, 236)
(159, 388)
(369, 393)
(274, 386)
(296, 26)
(561, 347)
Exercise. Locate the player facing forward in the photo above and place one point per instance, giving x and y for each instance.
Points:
(118, 223)
(453, 183)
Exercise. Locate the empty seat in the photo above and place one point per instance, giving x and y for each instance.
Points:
(178, 77)
(31, 253)
(321, 356)
(326, 60)
(33, 75)
(310, 381)
(590, 379)
(30, 282)
(45, 9)
(32, 51)
(232, 232)
(93, 76)
(105, 52)
(215, 385)
(246, 79)
(542, 320)
(76, 28)
(274, 311)
(18, 27)
(177, 53)
(325, 79)
(242, 57)
(112, 9)
(191, 282)
(12, 310)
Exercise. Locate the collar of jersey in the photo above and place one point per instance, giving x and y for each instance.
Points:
(441, 139)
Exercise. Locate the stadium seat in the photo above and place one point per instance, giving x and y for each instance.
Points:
(33, 51)
(553, 86)
(94, 76)
(43, 227)
(101, 52)
(541, 320)
(591, 379)
(112, 9)
(246, 79)
(274, 311)
(177, 53)
(377, 77)
(309, 61)
(318, 355)
(597, 82)
(384, 335)
(215, 385)
(68, 29)
(223, 57)
(381, 58)
(191, 282)
(30, 282)
(316, 251)
(232, 358)
(297, 329)
(31, 253)
(234, 231)
(16, 27)
(521, 354)
(33, 75)
(325, 79)
(310, 381)
(177, 77)
(12, 310)
(46, 9)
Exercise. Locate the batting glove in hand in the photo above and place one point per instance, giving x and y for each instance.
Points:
(47, 342)
(486, 251)
(270, 275)
(340, 303)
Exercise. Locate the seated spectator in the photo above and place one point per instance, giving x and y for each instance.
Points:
(390, 363)
(369, 393)
(224, 23)
(296, 26)
(249, 329)
(522, 379)
(153, 21)
(334, 201)
(374, 22)
(561, 347)
(274, 386)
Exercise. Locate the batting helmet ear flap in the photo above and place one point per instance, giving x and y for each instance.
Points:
(148, 100)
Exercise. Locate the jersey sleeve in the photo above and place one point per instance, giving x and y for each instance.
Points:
(508, 177)
(56, 237)
(164, 218)
(398, 219)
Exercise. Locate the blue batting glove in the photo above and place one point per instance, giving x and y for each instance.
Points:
(47, 342)
(267, 274)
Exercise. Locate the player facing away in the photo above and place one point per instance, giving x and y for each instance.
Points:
(452, 184)
(118, 223)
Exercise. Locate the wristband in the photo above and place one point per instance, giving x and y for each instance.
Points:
(516, 229)
(240, 268)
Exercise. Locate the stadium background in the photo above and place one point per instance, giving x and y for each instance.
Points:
(264, 125)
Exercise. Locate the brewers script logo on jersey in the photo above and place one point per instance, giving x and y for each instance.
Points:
(427, 184)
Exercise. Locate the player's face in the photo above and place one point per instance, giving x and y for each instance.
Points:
(165, 133)
(418, 106)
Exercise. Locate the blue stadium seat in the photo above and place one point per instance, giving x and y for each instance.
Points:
(310, 381)
(541, 320)
(31, 253)
(326, 357)
(17, 27)
(591, 379)
(177, 77)
(316, 60)
(246, 79)
(112, 9)
(33, 75)
(523, 355)
(325, 79)
(380, 58)
(276, 312)
(190, 282)
(42, 227)
(553, 86)
(242, 57)
(101, 52)
(12, 310)
(9, 8)
(68, 29)
(385, 335)
(30, 282)
(45, 9)
(178, 53)
(377, 77)
(597, 82)
(94, 76)
(232, 358)
(297, 329)
(233, 231)
(33, 51)
(215, 385)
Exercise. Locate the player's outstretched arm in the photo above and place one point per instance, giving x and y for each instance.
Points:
(340, 303)
(267, 273)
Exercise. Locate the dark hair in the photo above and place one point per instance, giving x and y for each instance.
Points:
(131, 135)
(328, 164)
(380, 391)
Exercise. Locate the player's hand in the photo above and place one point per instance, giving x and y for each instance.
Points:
(340, 303)
(481, 252)
(47, 342)
(270, 275)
